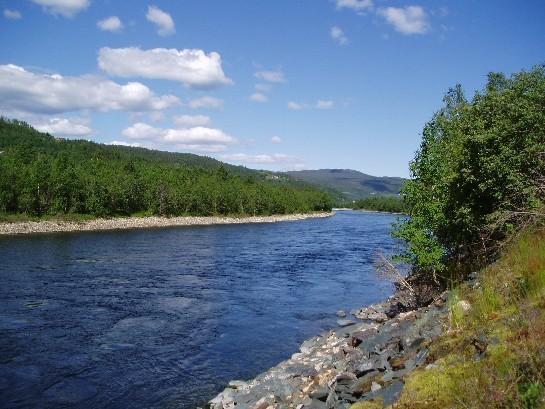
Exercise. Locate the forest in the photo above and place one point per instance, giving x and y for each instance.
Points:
(41, 175)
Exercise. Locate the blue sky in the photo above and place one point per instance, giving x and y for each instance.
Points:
(268, 84)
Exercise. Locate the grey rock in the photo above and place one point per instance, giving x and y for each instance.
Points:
(341, 314)
(344, 322)
(236, 384)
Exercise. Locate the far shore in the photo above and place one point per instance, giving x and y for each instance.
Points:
(122, 223)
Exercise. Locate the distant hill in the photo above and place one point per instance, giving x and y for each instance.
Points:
(349, 184)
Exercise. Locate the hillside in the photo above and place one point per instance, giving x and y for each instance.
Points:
(44, 175)
(350, 184)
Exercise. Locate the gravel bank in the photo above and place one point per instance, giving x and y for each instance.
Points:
(144, 222)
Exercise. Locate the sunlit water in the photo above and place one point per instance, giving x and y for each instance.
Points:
(166, 317)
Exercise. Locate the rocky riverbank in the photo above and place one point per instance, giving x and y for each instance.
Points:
(364, 359)
(51, 226)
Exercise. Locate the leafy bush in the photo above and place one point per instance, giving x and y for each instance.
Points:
(479, 173)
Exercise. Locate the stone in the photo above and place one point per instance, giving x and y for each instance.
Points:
(463, 306)
(364, 368)
(341, 314)
(344, 322)
(320, 394)
(389, 393)
(375, 387)
(236, 384)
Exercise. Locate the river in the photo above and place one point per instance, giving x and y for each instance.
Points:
(164, 318)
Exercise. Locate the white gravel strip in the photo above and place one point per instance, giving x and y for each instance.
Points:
(51, 226)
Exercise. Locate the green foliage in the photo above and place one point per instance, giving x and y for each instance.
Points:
(478, 171)
(41, 175)
(531, 394)
(392, 204)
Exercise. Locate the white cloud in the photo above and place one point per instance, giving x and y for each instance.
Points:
(112, 24)
(323, 104)
(22, 90)
(262, 87)
(271, 76)
(189, 121)
(406, 20)
(276, 139)
(259, 97)
(64, 127)
(123, 143)
(12, 14)
(66, 8)
(338, 35)
(206, 103)
(264, 159)
(320, 104)
(296, 106)
(198, 138)
(356, 5)
(163, 21)
(194, 68)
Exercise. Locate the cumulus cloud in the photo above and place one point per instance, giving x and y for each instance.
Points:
(406, 20)
(338, 35)
(189, 121)
(276, 139)
(356, 5)
(197, 138)
(12, 14)
(65, 8)
(193, 68)
(206, 102)
(65, 127)
(112, 24)
(271, 76)
(163, 21)
(22, 90)
(259, 97)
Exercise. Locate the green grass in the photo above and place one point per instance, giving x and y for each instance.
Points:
(507, 312)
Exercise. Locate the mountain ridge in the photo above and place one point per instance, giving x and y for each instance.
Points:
(349, 184)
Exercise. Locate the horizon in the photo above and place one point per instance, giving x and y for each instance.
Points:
(335, 84)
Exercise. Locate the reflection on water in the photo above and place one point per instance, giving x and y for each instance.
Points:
(165, 317)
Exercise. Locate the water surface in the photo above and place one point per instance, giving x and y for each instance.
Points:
(163, 318)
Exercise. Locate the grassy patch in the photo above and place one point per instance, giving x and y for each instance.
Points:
(493, 356)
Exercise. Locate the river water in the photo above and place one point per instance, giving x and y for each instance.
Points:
(164, 318)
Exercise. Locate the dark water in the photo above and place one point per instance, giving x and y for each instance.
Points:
(165, 317)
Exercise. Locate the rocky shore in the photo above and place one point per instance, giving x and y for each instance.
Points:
(364, 359)
(144, 222)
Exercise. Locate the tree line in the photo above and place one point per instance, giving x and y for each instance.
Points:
(42, 175)
(383, 203)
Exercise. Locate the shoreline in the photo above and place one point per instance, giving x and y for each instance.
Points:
(125, 223)
(365, 358)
